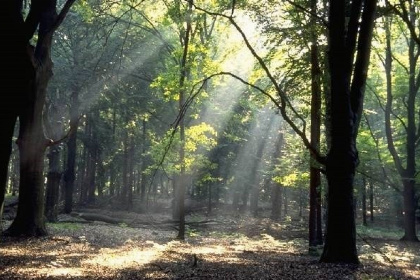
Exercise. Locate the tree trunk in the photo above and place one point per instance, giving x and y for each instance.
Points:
(185, 41)
(276, 201)
(15, 78)
(371, 201)
(285, 201)
(346, 105)
(53, 184)
(407, 173)
(70, 173)
(7, 122)
(92, 160)
(32, 143)
(315, 228)
(409, 211)
(364, 209)
(143, 182)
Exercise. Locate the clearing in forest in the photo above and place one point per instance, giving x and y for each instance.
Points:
(223, 247)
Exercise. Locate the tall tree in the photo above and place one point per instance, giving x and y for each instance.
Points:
(350, 28)
(17, 73)
(315, 225)
(32, 142)
(405, 165)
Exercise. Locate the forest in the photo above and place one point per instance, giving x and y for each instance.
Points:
(204, 139)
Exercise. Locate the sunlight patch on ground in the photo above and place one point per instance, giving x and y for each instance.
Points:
(126, 256)
(53, 271)
(218, 250)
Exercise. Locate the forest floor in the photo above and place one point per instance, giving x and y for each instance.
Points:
(223, 247)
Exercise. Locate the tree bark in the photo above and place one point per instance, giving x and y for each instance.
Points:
(346, 103)
(371, 201)
(315, 228)
(185, 41)
(15, 78)
(70, 173)
(407, 173)
(53, 184)
(32, 142)
(364, 209)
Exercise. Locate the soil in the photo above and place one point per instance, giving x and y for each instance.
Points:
(223, 247)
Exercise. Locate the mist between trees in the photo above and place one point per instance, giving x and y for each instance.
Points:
(292, 110)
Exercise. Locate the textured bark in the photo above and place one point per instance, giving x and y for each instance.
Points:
(30, 220)
(346, 103)
(32, 142)
(17, 72)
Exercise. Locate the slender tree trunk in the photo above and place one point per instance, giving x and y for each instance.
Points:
(407, 173)
(276, 201)
(70, 173)
(143, 182)
(371, 201)
(364, 209)
(315, 176)
(285, 201)
(185, 41)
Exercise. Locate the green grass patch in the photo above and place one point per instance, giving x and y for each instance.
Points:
(380, 232)
(65, 226)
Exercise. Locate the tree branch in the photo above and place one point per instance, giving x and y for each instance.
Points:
(284, 101)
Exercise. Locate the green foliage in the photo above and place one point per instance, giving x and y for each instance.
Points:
(199, 139)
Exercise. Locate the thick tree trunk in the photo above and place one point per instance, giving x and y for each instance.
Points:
(30, 220)
(409, 211)
(16, 74)
(340, 242)
(346, 105)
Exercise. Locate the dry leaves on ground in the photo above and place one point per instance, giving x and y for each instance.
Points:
(241, 249)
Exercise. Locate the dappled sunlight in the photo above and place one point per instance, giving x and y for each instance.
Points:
(53, 271)
(125, 257)
(223, 250)
(392, 254)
